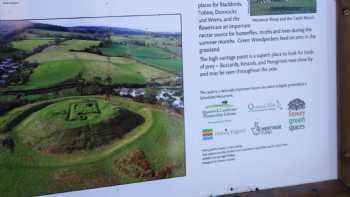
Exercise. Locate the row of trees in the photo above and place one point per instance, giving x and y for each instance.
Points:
(9, 144)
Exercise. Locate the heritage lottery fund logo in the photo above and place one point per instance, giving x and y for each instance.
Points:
(207, 134)
(296, 114)
(264, 130)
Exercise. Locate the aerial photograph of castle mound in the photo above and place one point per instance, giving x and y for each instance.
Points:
(90, 102)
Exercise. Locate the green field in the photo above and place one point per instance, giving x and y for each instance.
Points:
(153, 56)
(77, 44)
(282, 7)
(30, 44)
(158, 143)
(172, 65)
(136, 51)
(52, 73)
(62, 51)
(56, 72)
(175, 50)
(148, 40)
(57, 64)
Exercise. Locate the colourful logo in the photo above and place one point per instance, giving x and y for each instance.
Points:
(296, 114)
(208, 134)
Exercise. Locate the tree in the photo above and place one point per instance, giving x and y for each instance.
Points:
(97, 80)
(106, 40)
(57, 40)
(150, 95)
(109, 80)
(9, 144)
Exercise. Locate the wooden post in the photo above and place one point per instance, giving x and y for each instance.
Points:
(344, 89)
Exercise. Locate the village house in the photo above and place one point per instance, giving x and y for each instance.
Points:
(137, 92)
(164, 97)
(124, 92)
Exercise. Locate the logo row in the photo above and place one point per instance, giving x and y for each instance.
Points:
(296, 118)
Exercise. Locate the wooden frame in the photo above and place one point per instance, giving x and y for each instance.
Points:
(344, 89)
(341, 187)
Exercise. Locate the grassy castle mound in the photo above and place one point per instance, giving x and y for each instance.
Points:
(77, 125)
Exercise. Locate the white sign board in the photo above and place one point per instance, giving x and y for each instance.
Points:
(166, 98)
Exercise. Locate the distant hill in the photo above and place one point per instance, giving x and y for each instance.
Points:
(100, 29)
(50, 27)
(9, 28)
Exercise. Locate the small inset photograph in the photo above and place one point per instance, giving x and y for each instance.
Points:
(281, 7)
(90, 102)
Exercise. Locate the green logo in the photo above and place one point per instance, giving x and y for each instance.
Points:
(223, 104)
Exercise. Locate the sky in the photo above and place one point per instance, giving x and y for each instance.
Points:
(161, 23)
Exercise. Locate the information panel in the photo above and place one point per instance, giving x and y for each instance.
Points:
(166, 98)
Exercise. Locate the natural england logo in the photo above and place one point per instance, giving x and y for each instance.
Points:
(264, 130)
(296, 114)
